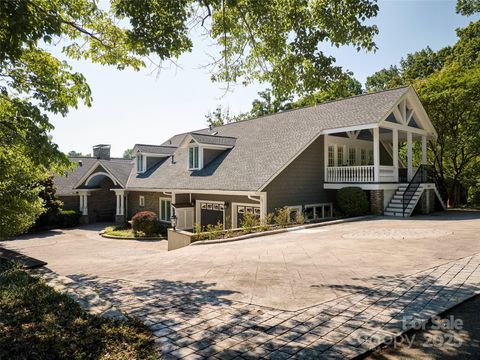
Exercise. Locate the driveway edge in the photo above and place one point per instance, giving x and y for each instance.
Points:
(280, 231)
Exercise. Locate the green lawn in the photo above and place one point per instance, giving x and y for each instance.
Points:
(37, 322)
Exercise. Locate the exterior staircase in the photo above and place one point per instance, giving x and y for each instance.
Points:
(407, 196)
(395, 206)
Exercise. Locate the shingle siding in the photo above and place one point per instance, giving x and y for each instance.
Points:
(301, 182)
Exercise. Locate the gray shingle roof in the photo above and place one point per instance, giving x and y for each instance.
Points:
(65, 184)
(265, 145)
(120, 168)
(213, 139)
(154, 149)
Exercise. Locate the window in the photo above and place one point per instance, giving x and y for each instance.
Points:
(318, 211)
(370, 157)
(165, 209)
(331, 155)
(340, 156)
(352, 156)
(140, 164)
(141, 201)
(363, 157)
(193, 158)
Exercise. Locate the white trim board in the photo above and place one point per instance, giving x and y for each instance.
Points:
(90, 172)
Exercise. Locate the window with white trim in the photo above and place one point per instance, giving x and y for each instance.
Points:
(340, 156)
(193, 158)
(331, 155)
(363, 157)
(140, 164)
(318, 211)
(352, 156)
(370, 157)
(165, 209)
(141, 201)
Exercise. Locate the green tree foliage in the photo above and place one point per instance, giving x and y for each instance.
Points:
(51, 204)
(219, 117)
(128, 154)
(74, 153)
(468, 7)
(448, 83)
(346, 86)
(384, 79)
(266, 41)
(451, 98)
(267, 104)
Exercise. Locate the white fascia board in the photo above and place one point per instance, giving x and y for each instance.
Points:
(197, 191)
(350, 128)
(90, 172)
(155, 155)
(216, 147)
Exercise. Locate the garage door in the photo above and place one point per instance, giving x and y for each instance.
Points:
(211, 213)
(242, 209)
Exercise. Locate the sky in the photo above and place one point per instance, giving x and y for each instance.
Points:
(147, 108)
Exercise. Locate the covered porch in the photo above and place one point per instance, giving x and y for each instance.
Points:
(381, 153)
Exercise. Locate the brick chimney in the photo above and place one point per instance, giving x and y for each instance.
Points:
(101, 151)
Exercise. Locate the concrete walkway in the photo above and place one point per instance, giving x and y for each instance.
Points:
(335, 291)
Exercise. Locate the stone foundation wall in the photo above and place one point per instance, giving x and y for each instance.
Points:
(376, 202)
(152, 202)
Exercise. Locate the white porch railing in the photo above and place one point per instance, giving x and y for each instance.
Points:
(347, 174)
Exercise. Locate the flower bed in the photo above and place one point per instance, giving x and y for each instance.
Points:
(124, 232)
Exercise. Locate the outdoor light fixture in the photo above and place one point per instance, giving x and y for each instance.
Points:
(173, 221)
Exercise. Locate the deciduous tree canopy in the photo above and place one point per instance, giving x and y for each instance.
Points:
(270, 41)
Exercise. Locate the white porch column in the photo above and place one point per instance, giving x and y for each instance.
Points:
(120, 196)
(409, 156)
(325, 157)
(424, 150)
(376, 154)
(80, 198)
(84, 203)
(395, 154)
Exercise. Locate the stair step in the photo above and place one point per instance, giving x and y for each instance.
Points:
(390, 213)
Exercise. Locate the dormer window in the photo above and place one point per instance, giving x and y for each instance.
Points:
(141, 163)
(193, 157)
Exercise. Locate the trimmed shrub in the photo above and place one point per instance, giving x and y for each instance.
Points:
(68, 218)
(214, 231)
(300, 219)
(352, 201)
(146, 222)
(249, 222)
(282, 217)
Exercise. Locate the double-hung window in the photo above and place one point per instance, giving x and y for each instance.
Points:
(352, 156)
(331, 155)
(165, 209)
(140, 167)
(363, 157)
(193, 158)
(340, 156)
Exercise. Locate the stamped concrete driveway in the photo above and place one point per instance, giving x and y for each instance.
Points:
(288, 271)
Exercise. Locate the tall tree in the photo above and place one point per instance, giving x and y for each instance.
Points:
(450, 97)
(267, 41)
(448, 83)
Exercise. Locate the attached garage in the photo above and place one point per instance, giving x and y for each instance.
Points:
(211, 213)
